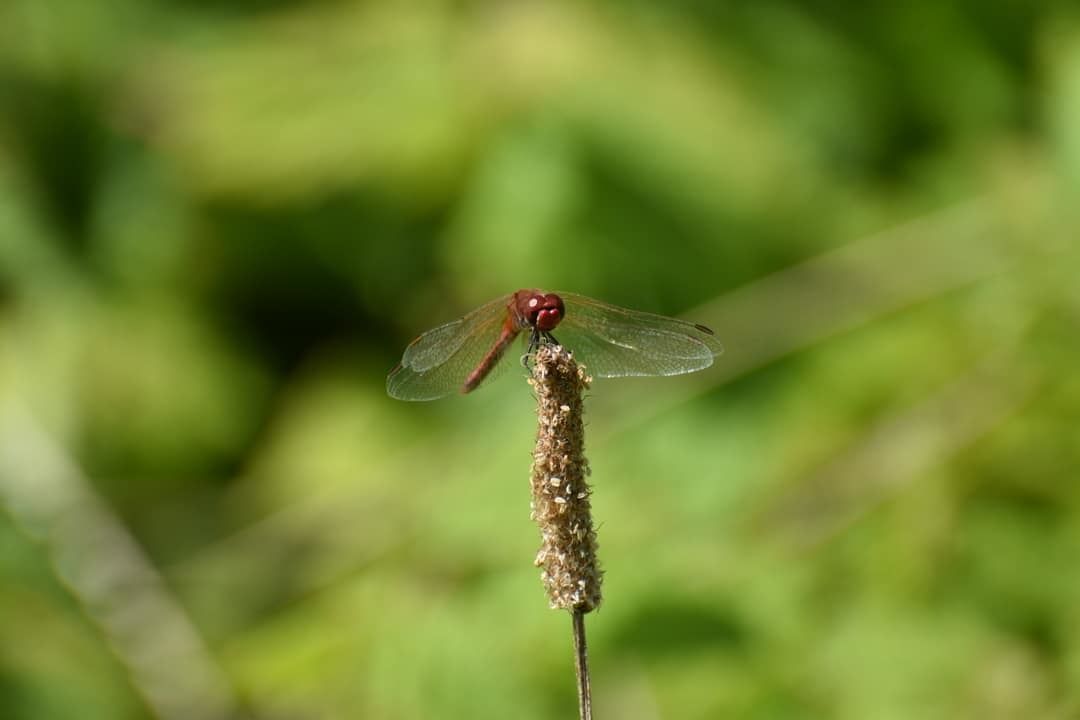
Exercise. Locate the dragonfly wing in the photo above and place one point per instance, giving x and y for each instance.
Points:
(617, 342)
(436, 363)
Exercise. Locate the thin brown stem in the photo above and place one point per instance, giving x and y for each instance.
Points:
(581, 665)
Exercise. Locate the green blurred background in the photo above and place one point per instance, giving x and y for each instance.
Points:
(221, 222)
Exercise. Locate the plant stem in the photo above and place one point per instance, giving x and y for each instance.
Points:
(581, 665)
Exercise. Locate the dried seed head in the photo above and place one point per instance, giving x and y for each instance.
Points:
(560, 493)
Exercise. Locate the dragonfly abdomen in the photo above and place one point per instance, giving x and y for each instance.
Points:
(487, 363)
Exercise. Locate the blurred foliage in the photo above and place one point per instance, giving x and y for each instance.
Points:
(220, 223)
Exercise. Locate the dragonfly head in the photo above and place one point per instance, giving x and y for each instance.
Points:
(544, 312)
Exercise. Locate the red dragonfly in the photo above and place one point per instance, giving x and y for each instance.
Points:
(610, 341)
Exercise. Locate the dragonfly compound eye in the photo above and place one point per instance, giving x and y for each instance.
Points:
(548, 312)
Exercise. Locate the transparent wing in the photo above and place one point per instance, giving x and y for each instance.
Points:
(436, 363)
(613, 341)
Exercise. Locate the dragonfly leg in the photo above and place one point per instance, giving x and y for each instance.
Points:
(534, 342)
(536, 339)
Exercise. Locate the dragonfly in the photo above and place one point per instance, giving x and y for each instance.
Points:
(610, 341)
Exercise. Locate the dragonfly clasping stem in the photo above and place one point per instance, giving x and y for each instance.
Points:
(536, 339)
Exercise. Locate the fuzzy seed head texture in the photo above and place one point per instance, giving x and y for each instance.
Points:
(560, 492)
